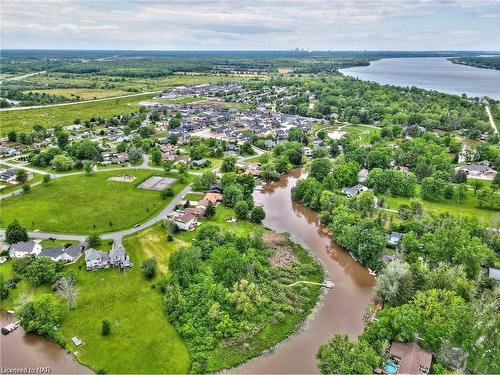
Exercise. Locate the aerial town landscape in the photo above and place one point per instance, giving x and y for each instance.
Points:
(221, 208)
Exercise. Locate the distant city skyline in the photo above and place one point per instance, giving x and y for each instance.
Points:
(251, 25)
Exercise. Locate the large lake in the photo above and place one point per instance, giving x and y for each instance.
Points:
(432, 73)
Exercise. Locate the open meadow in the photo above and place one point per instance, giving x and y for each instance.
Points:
(86, 203)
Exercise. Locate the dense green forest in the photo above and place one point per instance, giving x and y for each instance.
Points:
(490, 62)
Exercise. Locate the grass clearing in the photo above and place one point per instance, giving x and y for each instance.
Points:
(468, 207)
(74, 204)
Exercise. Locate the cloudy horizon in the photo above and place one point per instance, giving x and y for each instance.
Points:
(218, 25)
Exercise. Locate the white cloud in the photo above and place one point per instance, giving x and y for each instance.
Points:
(238, 24)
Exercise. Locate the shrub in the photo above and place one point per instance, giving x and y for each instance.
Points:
(106, 327)
(257, 214)
(149, 268)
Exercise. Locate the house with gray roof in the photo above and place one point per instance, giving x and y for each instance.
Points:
(117, 257)
(394, 238)
(22, 249)
(68, 254)
(353, 191)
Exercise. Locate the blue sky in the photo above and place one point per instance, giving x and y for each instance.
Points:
(251, 25)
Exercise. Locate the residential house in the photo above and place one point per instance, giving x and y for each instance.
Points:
(21, 249)
(118, 257)
(308, 151)
(478, 171)
(69, 253)
(95, 259)
(186, 221)
(394, 238)
(410, 358)
(355, 190)
(8, 175)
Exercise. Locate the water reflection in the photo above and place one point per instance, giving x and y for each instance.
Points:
(342, 308)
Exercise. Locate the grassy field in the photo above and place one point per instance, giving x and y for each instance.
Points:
(23, 120)
(83, 94)
(128, 84)
(75, 204)
(467, 207)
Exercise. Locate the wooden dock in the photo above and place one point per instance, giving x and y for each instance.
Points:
(327, 284)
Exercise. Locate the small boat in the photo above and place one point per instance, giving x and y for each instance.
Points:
(329, 284)
(9, 328)
(372, 272)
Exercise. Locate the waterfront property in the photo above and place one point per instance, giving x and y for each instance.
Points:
(408, 358)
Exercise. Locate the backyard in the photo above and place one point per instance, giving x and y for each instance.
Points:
(467, 207)
(86, 203)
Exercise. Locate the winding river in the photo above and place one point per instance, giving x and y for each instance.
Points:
(340, 311)
(342, 307)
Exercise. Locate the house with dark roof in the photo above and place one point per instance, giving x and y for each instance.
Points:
(68, 254)
(22, 249)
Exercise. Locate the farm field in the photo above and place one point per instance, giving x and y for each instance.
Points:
(83, 93)
(86, 204)
(23, 120)
(128, 84)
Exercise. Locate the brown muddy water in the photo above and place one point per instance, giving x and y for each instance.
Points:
(343, 306)
(20, 350)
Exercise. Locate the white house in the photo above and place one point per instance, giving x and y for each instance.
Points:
(186, 221)
(21, 249)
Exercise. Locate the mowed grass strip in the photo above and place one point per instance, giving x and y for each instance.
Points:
(86, 203)
(23, 120)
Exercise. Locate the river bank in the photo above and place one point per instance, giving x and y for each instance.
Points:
(341, 308)
(26, 350)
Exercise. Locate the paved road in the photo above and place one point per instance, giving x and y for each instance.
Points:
(490, 117)
(18, 78)
(76, 103)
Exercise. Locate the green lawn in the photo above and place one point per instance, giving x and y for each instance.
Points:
(141, 340)
(467, 207)
(23, 120)
(74, 204)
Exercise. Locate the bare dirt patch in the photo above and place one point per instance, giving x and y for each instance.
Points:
(124, 178)
(282, 255)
